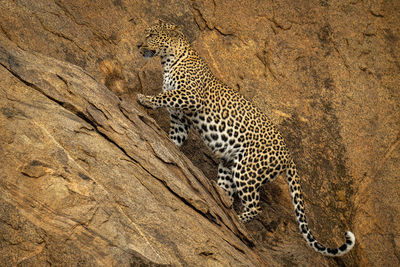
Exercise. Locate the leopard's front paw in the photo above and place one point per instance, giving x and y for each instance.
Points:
(144, 101)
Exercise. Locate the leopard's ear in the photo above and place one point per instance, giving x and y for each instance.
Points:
(161, 22)
(178, 28)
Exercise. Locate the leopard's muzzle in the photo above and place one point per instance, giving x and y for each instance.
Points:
(147, 53)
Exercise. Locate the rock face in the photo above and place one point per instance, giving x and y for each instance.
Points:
(89, 178)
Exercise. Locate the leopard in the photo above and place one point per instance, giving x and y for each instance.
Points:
(249, 146)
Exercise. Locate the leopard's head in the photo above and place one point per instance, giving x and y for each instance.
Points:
(163, 39)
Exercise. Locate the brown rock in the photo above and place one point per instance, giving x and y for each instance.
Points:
(89, 178)
(110, 189)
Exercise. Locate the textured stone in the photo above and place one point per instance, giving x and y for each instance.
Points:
(109, 187)
(87, 177)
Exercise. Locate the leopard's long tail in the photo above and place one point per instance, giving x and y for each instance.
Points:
(298, 203)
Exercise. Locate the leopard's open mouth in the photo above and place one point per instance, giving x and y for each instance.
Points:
(148, 53)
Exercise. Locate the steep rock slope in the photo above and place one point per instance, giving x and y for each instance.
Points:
(88, 179)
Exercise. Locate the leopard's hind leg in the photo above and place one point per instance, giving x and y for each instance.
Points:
(248, 190)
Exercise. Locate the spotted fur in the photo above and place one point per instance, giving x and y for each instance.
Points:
(251, 149)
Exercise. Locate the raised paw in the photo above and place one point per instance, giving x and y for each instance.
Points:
(145, 101)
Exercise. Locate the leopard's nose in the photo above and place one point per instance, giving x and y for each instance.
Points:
(139, 44)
